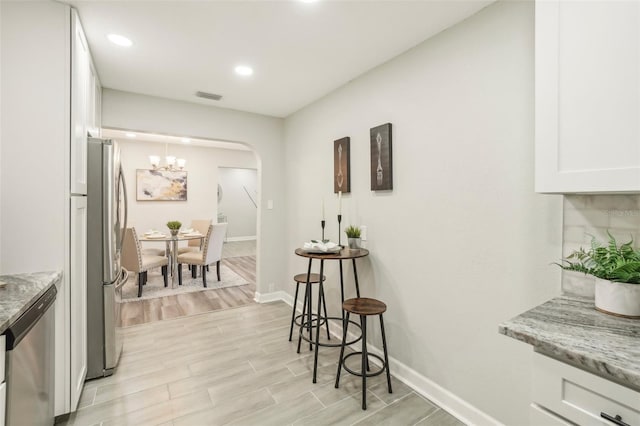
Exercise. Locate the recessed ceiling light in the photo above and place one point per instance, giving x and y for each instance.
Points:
(243, 70)
(119, 40)
(130, 135)
(308, 1)
(186, 140)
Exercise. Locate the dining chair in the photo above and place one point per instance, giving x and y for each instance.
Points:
(211, 252)
(152, 251)
(133, 260)
(200, 225)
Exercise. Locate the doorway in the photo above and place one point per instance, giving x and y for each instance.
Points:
(237, 206)
(237, 283)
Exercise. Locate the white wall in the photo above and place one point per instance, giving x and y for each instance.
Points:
(202, 181)
(122, 110)
(236, 204)
(35, 136)
(462, 242)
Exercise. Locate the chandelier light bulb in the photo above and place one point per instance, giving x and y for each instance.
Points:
(154, 160)
(172, 163)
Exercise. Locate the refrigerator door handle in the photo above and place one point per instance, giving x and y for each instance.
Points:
(126, 204)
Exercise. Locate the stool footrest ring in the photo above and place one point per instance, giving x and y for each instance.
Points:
(314, 319)
(304, 327)
(359, 374)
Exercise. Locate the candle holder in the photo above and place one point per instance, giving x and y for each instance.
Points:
(339, 236)
(322, 222)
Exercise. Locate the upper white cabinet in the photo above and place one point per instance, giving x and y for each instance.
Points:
(587, 94)
(80, 81)
(94, 104)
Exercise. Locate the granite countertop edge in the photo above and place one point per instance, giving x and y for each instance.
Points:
(571, 330)
(19, 291)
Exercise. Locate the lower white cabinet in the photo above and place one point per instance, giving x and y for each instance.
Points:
(566, 393)
(78, 297)
(538, 416)
(3, 349)
(3, 403)
(3, 385)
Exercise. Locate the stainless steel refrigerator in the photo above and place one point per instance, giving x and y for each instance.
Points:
(106, 222)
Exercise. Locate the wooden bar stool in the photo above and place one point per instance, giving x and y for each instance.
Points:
(302, 279)
(364, 307)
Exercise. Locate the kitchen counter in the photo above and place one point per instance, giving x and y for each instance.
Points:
(571, 330)
(20, 291)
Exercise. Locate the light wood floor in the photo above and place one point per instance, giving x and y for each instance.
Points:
(237, 367)
(239, 256)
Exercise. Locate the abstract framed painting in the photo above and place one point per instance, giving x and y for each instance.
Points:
(161, 185)
(341, 165)
(381, 158)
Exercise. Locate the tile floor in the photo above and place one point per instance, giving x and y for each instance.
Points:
(237, 367)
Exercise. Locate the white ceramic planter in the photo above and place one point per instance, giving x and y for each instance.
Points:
(354, 243)
(619, 299)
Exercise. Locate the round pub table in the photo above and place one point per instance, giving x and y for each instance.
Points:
(344, 254)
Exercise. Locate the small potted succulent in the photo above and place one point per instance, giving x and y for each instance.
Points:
(617, 274)
(353, 234)
(174, 227)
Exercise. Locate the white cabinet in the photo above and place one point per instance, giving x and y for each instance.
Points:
(78, 287)
(538, 416)
(3, 385)
(80, 80)
(94, 103)
(587, 95)
(3, 348)
(85, 120)
(561, 391)
(3, 402)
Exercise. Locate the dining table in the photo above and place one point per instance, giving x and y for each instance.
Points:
(172, 247)
(344, 254)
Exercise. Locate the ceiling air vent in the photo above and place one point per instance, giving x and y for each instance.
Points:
(211, 96)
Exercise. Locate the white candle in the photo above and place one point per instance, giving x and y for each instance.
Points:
(340, 202)
(322, 208)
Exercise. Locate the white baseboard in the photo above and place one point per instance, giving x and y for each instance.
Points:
(426, 387)
(247, 238)
(273, 297)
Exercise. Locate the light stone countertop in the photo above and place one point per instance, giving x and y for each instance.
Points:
(19, 291)
(571, 330)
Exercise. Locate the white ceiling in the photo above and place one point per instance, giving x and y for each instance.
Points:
(299, 51)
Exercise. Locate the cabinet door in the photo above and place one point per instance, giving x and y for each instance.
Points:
(78, 287)
(3, 402)
(587, 96)
(538, 416)
(80, 76)
(579, 396)
(94, 107)
(98, 106)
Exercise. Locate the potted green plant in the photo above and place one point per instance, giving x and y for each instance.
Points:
(353, 234)
(617, 275)
(174, 227)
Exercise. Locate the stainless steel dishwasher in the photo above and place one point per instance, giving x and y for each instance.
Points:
(30, 357)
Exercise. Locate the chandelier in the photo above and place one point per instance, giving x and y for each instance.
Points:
(172, 163)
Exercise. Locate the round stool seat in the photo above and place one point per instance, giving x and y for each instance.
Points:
(312, 320)
(302, 278)
(364, 306)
